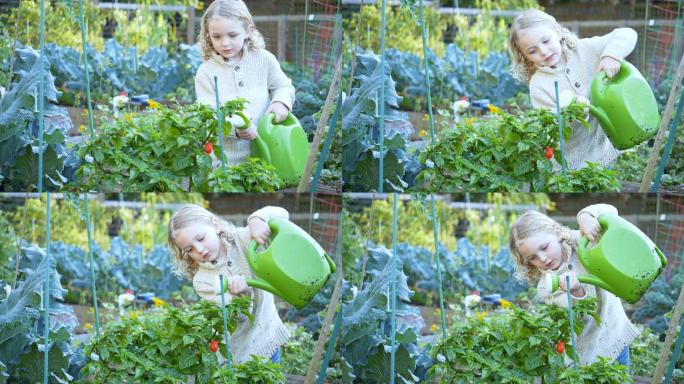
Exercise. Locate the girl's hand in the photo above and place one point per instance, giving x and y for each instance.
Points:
(609, 65)
(589, 226)
(248, 133)
(279, 110)
(237, 285)
(575, 287)
(583, 100)
(259, 230)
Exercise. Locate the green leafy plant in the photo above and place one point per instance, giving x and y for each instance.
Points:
(365, 334)
(517, 345)
(157, 72)
(164, 150)
(22, 340)
(402, 29)
(361, 133)
(163, 346)
(60, 22)
(253, 175)
(658, 301)
(297, 352)
(644, 353)
(257, 370)
(503, 153)
(592, 178)
(19, 129)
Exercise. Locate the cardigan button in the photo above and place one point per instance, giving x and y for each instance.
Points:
(237, 68)
(567, 70)
(577, 85)
(241, 83)
(230, 263)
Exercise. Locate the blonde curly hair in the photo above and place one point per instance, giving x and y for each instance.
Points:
(529, 224)
(523, 69)
(192, 214)
(232, 9)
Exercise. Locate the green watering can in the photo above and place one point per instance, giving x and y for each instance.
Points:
(293, 267)
(624, 106)
(283, 145)
(624, 261)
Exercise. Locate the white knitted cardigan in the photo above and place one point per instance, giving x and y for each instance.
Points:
(268, 332)
(615, 331)
(576, 75)
(257, 77)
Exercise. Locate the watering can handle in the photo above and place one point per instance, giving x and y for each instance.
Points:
(663, 259)
(331, 263)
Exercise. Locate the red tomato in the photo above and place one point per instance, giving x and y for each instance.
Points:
(214, 346)
(208, 147)
(560, 347)
(548, 152)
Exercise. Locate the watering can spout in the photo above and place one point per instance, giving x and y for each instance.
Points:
(593, 280)
(261, 284)
(603, 119)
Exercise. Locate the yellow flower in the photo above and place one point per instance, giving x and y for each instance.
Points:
(434, 328)
(153, 104)
(88, 326)
(481, 315)
(158, 302)
(81, 128)
(129, 117)
(494, 109)
(505, 303)
(422, 133)
(470, 120)
(135, 314)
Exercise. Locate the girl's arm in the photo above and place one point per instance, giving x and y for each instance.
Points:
(560, 297)
(541, 98)
(209, 289)
(597, 209)
(204, 89)
(269, 212)
(279, 85)
(618, 44)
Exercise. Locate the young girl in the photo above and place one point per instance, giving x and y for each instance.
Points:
(233, 50)
(540, 245)
(206, 247)
(543, 52)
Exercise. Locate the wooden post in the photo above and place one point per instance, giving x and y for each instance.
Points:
(282, 37)
(325, 115)
(664, 125)
(191, 25)
(665, 352)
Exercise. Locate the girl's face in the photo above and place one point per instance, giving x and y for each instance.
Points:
(228, 36)
(542, 250)
(200, 241)
(540, 45)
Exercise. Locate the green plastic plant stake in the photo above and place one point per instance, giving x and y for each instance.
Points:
(572, 327)
(226, 334)
(46, 295)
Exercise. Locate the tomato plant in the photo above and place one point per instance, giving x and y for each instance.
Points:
(518, 345)
(162, 346)
(506, 152)
(164, 151)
